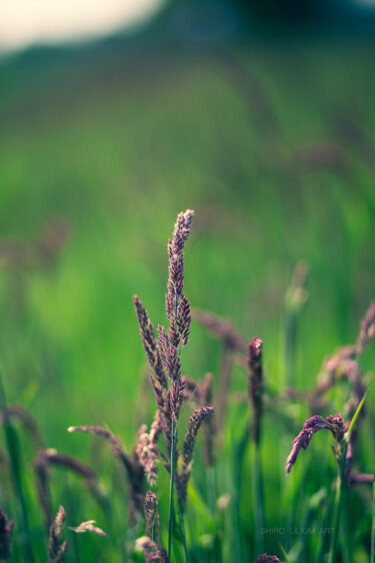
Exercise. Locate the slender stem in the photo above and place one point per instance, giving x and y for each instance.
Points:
(324, 525)
(341, 488)
(336, 520)
(211, 488)
(154, 530)
(173, 470)
(257, 500)
(235, 544)
(347, 552)
(372, 560)
(338, 504)
(183, 534)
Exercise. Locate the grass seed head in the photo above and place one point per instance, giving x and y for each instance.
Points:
(255, 352)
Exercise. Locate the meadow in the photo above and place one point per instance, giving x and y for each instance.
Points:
(273, 146)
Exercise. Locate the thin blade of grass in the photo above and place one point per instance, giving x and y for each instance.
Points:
(13, 451)
(285, 555)
(356, 414)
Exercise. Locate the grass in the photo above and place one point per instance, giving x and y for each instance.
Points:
(117, 159)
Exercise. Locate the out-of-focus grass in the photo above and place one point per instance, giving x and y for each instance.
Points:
(117, 152)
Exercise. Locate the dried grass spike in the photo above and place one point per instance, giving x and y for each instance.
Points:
(151, 513)
(153, 551)
(88, 527)
(333, 423)
(56, 548)
(268, 559)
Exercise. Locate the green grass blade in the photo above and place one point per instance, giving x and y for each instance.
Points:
(356, 414)
(13, 451)
(285, 555)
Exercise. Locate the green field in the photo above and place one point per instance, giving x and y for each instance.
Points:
(273, 146)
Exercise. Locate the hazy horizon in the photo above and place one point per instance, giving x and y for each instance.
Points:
(24, 24)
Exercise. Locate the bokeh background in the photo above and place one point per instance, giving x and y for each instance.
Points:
(260, 116)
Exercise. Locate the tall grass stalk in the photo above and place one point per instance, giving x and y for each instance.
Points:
(13, 451)
(173, 471)
(341, 485)
(257, 498)
(211, 488)
(238, 457)
(256, 388)
(324, 524)
(183, 533)
(154, 530)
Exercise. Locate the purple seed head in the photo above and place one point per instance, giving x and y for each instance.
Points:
(338, 426)
(195, 422)
(312, 425)
(151, 508)
(147, 454)
(152, 551)
(176, 304)
(56, 548)
(267, 559)
(183, 319)
(149, 343)
(255, 350)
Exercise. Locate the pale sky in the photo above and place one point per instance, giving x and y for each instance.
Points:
(25, 22)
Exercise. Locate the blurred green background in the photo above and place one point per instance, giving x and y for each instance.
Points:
(270, 138)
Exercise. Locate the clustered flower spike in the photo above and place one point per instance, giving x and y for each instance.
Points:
(6, 528)
(268, 559)
(176, 307)
(56, 548)
(200, 394)
(255, 349)
(164, 354)
(333, 423)
(164, 357)
(151, 512)
(153, 551)
(195, 422)
(147, 450)
(150, 344)
(88, 527)
(178, 312)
